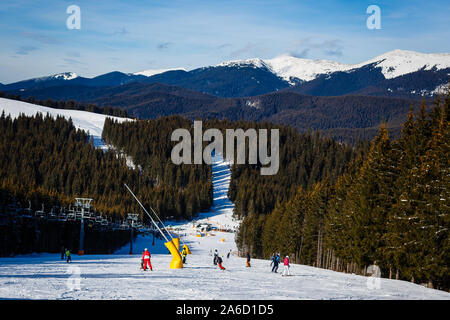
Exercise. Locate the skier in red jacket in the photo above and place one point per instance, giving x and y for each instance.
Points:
(286, 270)
(146, 257)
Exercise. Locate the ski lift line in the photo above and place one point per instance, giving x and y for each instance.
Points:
(162, 233)
(161, 222)
(182, 242)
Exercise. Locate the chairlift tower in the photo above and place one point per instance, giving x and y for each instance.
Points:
(82, 204)
(132, 218)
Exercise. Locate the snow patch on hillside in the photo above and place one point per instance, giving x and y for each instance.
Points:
(88, 121)
(66, 76)
(288, 67)
(253, 63)
(152, 72)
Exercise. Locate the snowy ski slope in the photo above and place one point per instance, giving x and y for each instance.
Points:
(117, 276)
(88, 121)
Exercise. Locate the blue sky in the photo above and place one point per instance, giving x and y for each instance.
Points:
(135, 35)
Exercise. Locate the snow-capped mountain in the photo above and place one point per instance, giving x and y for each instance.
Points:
(58, 76)
(396, 63)
(288, 67)
(397, 73)
(392, 64)
(65, 76)
(152, 72)
(253, 63)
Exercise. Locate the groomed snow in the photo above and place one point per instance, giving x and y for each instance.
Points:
(88, 121)
(118, 276)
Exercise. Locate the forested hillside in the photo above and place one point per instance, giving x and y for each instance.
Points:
(49, 162)
(185, 189)
(346, 118)
(390, 208)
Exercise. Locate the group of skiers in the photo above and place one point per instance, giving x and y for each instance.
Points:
(145, 261)
(276, 261)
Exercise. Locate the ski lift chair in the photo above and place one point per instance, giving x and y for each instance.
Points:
(99, 219)
(62, 217)
(27, 212)
(124, 225)
(52, 215)
(40, 214)
(104, 222)
(78, 214)
(71, 216)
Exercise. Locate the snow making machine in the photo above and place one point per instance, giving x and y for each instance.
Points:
(172, 245)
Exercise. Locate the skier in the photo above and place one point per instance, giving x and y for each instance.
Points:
(286, 267)
(228, 254)
(219, 261)
(69, 258)
(216, 255)
(146, 257)
(248, 259)
(275, 262)
(184, 253)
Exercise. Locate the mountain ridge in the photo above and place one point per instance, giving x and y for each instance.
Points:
(251, 77)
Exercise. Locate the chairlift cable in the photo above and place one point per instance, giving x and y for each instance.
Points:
(146, 212)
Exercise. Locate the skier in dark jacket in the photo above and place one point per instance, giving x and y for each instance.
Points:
(183, 254)
(216, 255)
(275, 262)
(219, 262)
(248, 259)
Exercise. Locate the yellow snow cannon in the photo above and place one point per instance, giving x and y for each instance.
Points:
(177, 262)
(176, 242)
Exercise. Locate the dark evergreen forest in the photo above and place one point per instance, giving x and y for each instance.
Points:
(389, 208)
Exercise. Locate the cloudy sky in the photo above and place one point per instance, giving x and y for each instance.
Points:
(135, 35)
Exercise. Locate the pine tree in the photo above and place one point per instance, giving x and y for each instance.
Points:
(369, 200)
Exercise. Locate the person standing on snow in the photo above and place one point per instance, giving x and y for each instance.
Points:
(69, 258)
(216, 255)
(286, 267)
(184, 253)
(275, 262)
(248, 259)
(219, 261)
(146, 257)
(228, 254)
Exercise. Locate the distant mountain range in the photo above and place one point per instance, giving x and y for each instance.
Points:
(345, 101)
(398, 73)
(345, 118)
